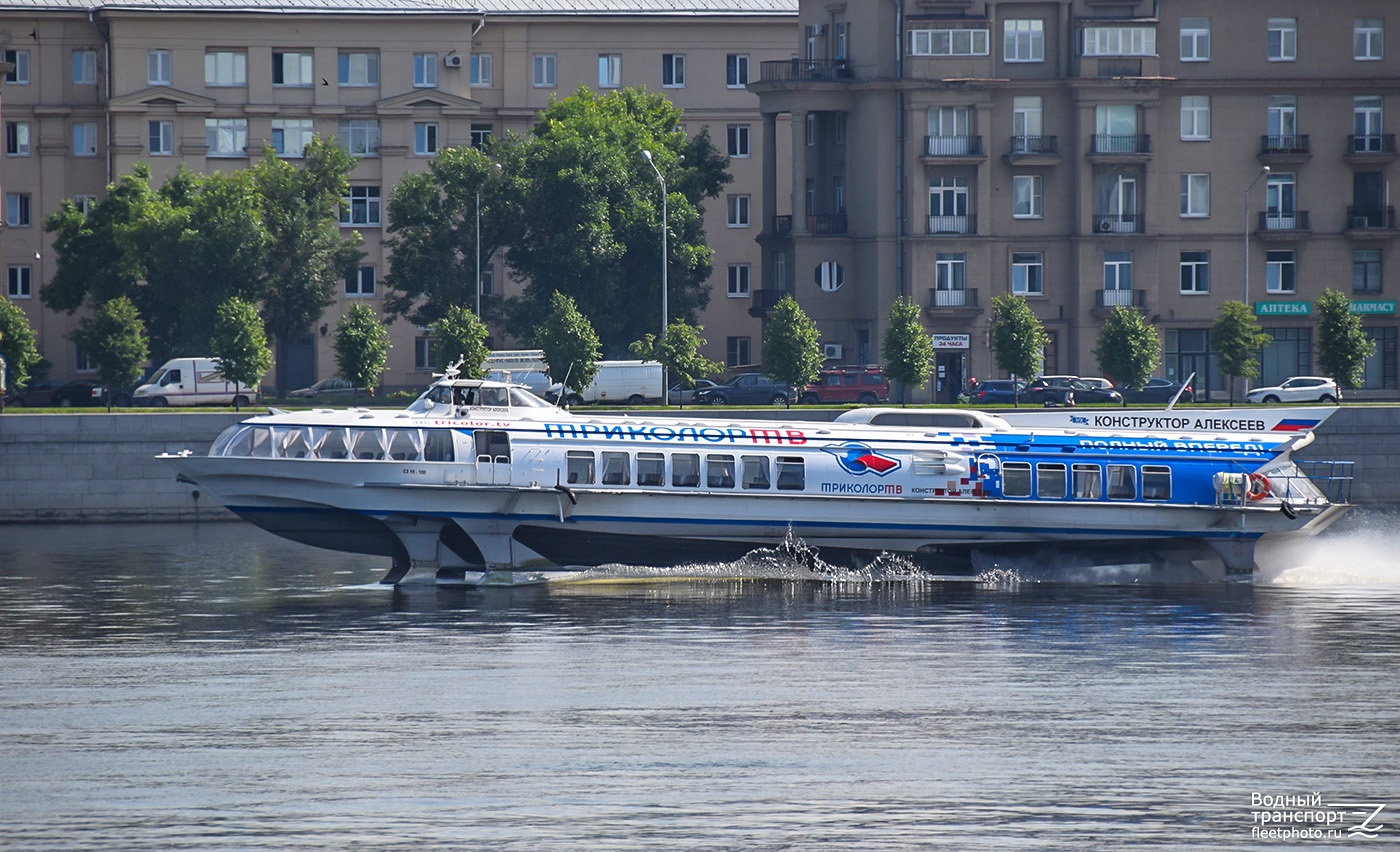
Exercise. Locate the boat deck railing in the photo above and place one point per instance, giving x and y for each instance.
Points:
(1331, 478)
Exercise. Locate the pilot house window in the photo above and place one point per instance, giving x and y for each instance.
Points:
(580, 467)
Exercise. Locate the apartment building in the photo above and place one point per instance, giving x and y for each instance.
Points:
(96, 87)
(1165, 155)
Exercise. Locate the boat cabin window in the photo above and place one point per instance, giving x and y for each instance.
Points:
(580, 467)
(464, 396)
(437, 445)
(1156, 482)
(368, 443)
(493, 397)
(405, 444)
(253, 442)
(521, 398)
(719, 471)
(1050, 481)
(439, 394)
(651, 469)
(792, 473)
(291, 444)
(1088, 482)
(615, 468)
(1016, 479)
(685, 470)
(332, 445)
(492, 446)
(755, 470)
(1122, 482)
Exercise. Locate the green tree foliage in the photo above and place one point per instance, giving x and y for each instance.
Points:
(571, 346)
(907, 348)
(114, 337)
(433, 220)
(585, 216)
(1238, 339)
(239, 344)
(792, 351)
(361, 344)
(678, 352)
(1128, 350)
(17, 347)
(1342, 344)
(459, 335)
(1017, 336)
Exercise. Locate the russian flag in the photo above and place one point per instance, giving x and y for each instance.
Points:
(1295, 425)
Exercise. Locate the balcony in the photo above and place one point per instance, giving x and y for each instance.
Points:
(1371, 148)
(1288, 148)
(1106, 300)
(1370, 223)
(944, 148)
(763, 301)
(952, 225)
(824, 224)
(1034, 150)
(1119, 223)
(796, 70)
(1277, 225)
(953, 302)
(1118, 148)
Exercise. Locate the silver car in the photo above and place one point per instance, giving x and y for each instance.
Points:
(1298, 389)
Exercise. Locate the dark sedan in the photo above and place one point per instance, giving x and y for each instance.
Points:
(749, 389)
(1158, 390)
(36, 394)
(997, 391)
(51, 394)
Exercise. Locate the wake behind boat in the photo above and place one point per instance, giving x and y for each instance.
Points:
(483, 476)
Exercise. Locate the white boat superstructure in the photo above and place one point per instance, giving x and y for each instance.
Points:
(482, 476)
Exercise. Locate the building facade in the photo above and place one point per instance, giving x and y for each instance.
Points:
(1165, 155)
(95, 88)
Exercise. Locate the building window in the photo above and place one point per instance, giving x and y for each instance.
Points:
(1024, 41)
(1195, 39)
(291, 69)
(1279, 272)
(19, 75)
(737, 352)
(425, 138)
(838, 128)
(1118, 271)
(1283, 39)
(829, 276)
(85, 67)
(361, 206)
(1195, 195)
(488, 280)
(425, 67)
(360, 283)
(158, 68)
(481, 134)
(1025, 197)
(360, 136)
(85, 139)
(422, 352)
(481, 69)
(738, 140)
(738, 280)
(20, 282)
(1028, 273)
(673, 70)
(1282, 122)
(544, 70)
(609, 70)
(1195, 272)
(17, 138)
(1195, 117)
(947, 205)
(843, 39)
(1281, 201)
(290, 136)
(1366, 271)
(949, 42)
(1368, 39)
(1367, 125)
(161, 138)
(225, 68)
(738, 211)
(84, 203)
(226, 137)
(809, 129)
(17, 209)
(1119, 41)
(358, 69)
(736, 70)
(780, 270)
(950, 271)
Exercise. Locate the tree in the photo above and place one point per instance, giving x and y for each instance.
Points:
(114, 337)
(571, 347)
(585, 213)
(239, 344)
(792, 351)
(361, 346)
(1018, 338)
(678, 352)
(1237, 339)
(459, 335)
(907, 348)
(1342, 344)
(1128, 349)
(17, 349)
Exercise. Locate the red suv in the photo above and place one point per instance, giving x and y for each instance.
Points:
(865, 385)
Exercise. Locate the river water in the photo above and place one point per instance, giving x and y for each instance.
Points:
(212, 687)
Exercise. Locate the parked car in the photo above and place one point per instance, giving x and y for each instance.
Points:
(80, 393)
(37, 394)
(748, 389)
(996, 391)
(863, 385)
(1157, 390)
(332, 388)
(1050, 390)
(680, 394)
(1298, 389)
(1095, 390)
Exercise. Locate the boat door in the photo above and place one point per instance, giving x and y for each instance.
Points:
(492, 457)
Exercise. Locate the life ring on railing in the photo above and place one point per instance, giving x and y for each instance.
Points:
(1257, 487)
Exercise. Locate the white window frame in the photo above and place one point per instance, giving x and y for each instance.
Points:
(809, 129)
(160, 138)
(1119, 40)
(481, 134)
(225, 68)
(357, 68)
(736, 70)
(1118, 271)
(233, 130)
(1028, 273)
(481, 69)
(19, 210)
(295, 68)
(1195, 39)
(19, 75)
(1195, 195)
(545, 70)
(360, 136)
(673, 70)
(737, 140)
(1284, 31)
(739, 281)
(361, 283)
(1368, 39)
(1194, 277)
(425, 68)
(950, 42)
(1023, 40)
(296, 133)
(1195, 118)
(1027, 198)
(950, 272)
(85, 67)
(85, 139)
(19, 281)
(363, 207)
(425, 138)
(738, 205)
(19, 137)
(159, 68)
(1280, 272)
(609, 70)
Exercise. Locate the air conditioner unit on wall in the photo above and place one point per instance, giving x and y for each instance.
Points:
(452, 60)
(1105, 225)
(831, 351)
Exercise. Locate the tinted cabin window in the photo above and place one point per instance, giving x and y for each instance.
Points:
(1088, 482)
(437, 445)
(492, 446)
(580, 467)
(616, 469)
(719, 471)
(1122, 482)
(792, 473)
(1016, 479)
(1156, 482)
(685, 470)
(1050, 481)
(651, 469)
(755, 471)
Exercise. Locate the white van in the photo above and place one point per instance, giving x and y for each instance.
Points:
(191, 381)
(622, 382)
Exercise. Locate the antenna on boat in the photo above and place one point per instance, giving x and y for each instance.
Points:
(451, 371)
(1181, 390)
(564, 386)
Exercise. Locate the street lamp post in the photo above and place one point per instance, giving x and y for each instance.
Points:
(496, 170)
(1263, 171)
(664, 289)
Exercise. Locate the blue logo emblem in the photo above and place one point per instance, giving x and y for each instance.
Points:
(855, 457)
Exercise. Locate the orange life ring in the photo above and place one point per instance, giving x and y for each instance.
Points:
(1258, 487)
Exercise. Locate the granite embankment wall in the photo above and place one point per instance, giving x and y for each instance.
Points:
(101, 467)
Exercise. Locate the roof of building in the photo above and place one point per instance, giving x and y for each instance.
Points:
(487, 7)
